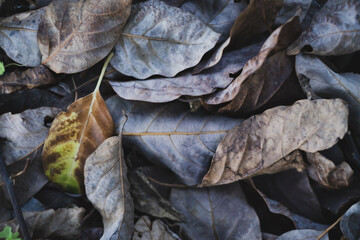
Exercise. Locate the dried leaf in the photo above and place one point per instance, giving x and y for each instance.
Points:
(160, 39)
(73, 136)
(260, 141)
(108, 190)
(171, 135)
(144, 229)
(18, 37)
(75, 35)
(291, 8)
(326, 173)
(147, 199)
(24, 132)
(302, 234)
(334, 30)
(327, 84)
(219, 15)
(277, 42)
(60, 224)
(216, 213)
(350, 222)
(168, 89)
(30, 78)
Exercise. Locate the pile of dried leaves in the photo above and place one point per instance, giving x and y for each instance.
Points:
(216, 119)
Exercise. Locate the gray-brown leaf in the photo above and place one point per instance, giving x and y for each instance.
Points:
(144, 229)
(260, 141)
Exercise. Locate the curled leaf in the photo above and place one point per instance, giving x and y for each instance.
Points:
(262, 140)
(334, 30)
(145, 229)
(160, 39)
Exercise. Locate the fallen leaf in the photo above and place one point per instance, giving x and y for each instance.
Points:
(171, 135)
(23, 133)
(334, 30)
(216, 213)
(290, 8)
(145, 229)
(108, 189)
(64, 223)
(218, 15)
(30, 78)
(277, 42)
(73, 136)
(18, 37)
(350, 222)
(302, 234)
(261, 140)
(168, 89)
(326, 173)
(147, 199)
(168, 41)
(328, 84)
(75, 35)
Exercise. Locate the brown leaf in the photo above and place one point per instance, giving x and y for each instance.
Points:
(326, 173)
(260, 141)
(277, 41)
(334, 30)
(145, 229)
(73, 136)
(64, 223)
(30, 78)
(75, 35)
(108, 189)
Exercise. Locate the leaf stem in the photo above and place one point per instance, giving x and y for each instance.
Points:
(329, 228)
(103, 71)
(9, 187)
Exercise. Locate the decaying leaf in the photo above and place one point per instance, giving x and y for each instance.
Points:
(75, 35)
(73, 136)
(64, 223)
(18, 37)
(30, 78)
(171, 135)
(290, 8)
(219, 15)
(24, 132)
(160, 39)
(328, 84)
(147, 199)
(350, 222)
(334, 30)
(108, 189)
(144, 229)
(187, 84)
(277, 42)
(326, 173)
(303, 234)
(216, 213)
(260, 141)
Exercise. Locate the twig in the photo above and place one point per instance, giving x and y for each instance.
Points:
(9, 187)
(329, 228)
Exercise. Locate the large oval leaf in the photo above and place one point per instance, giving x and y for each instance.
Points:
(171, 135)
(74, 35)
(216, 213)
(160, 39)
(18, 37)
(262, 140)
(335, 30)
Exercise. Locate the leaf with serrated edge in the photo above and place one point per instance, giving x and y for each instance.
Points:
(334, 30)
(23, 132)
(73, 136)
(18, 37)
(187, 84)
(64, 223)
(216, 213)
(262, 140)
(160, 39)
(108, 189)
(171, 135)
(145, 229)
(75, 35)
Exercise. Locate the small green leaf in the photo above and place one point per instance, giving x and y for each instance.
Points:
(2, 68)
(7, 234)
